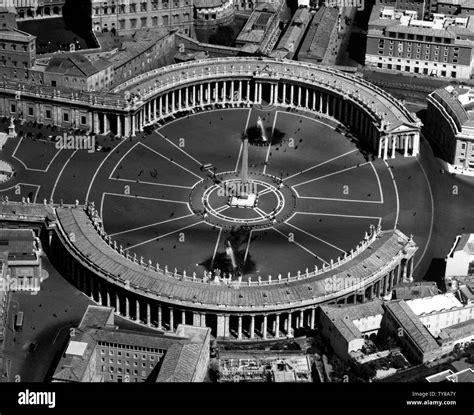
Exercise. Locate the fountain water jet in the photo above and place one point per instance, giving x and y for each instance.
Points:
(262, 129)
(230, 254)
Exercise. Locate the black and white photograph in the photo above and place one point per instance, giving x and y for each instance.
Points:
(236, 199)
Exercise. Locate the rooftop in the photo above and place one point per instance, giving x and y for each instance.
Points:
(18, 243)
(412, 290)
(183, 351)
(457, 331)
(440, 302)
(15, 35)
(343, 316)
(258, 23)
(459, 101)
(317, 37)
(75, 65)
(406, 21)
(412, 325)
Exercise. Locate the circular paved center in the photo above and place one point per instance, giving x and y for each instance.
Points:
(224, 200)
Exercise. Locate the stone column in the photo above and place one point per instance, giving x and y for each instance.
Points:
(167, 108)
(220, 326)
(313, 318)
(127, 307)
(186, 96)
(301, 319)
(155, 112)
(201, 95)
(405, 140)
(252, 327)
(277, 326)
(148, 314)
(183, 317)
(394, 145)
(132, 126)
(227, 325)
(299, 96)
(224, 92)
(385, 150)
(284, 93)
(209, 93)
(137, 310)
(239, 332)
(117, 303)
(255, 99)
(416, 145)
(271, 94)
(96, 124)
(288, 324)
(171, 319)
(180, 106)
(119, 125)
(160, 318)
(264, 327)
(292, 94)
(173, 102)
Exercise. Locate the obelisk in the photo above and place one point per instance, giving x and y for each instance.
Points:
(245, 168)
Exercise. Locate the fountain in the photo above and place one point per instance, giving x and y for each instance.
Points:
(230, 254)
(261, 128)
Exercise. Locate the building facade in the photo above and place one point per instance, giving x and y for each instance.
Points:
(17, 54)
(129, 15)
(75, 71)
(98, 351)
(384, 126)
(399, 41)
(31, 9)
(211, 13)
(450, 126)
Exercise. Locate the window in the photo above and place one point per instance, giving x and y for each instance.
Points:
(48, 114)
(30, 111)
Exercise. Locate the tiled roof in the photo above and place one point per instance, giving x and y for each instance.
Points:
(74, 65)
(180, 362)
(405, 291)
(96, 316)
(412, 325)
(16, 35)
(457, 331)
(343, 316)
(317, 38)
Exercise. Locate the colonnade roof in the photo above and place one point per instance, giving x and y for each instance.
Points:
(373, 98)
(105, 260)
